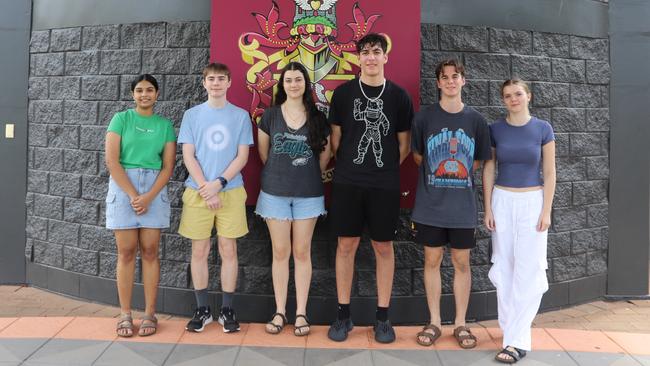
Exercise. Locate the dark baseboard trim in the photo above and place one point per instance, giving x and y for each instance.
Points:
(322, 310)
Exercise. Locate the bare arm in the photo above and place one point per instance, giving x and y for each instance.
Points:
(404, 139)
(325, 155)
(117, 172)
(210, 189)
(263, 145)
(417, 158)
(548, 171)
(192, 165)
(488, 185)
(335, 139)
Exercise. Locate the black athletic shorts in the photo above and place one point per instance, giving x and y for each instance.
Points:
(353, 207)
(432, 236)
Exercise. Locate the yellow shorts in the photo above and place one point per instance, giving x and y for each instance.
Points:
(197, 220)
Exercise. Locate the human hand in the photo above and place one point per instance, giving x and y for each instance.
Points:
(544, 222)
(209, 189)
(214, 203)
(488, 219)
(140, 204)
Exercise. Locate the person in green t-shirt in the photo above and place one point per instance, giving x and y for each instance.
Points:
(140, 157)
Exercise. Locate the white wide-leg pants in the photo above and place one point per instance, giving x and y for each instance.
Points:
(519, 263)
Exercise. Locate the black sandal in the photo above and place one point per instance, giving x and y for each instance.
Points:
(276, 328)
(299, 331)
(517, 355)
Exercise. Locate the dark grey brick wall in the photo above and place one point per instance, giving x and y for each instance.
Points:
(79, 77)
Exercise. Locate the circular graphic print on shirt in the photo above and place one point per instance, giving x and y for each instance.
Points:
(217, 137)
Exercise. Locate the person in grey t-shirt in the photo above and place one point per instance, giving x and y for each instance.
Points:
(448, 141)
(293, 142)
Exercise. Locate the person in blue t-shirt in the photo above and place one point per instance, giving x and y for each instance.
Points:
(518, 213)
(216, 138)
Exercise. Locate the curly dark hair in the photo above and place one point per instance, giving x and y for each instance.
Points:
(316, 121)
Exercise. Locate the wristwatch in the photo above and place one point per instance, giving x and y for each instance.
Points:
(223, 181)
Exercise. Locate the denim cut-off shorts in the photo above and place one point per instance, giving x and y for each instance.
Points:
(120, 214)
(289, 208)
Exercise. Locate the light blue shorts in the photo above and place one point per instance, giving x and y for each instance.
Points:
(120, 214)
(289, 208)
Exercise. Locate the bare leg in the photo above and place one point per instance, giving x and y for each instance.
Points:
(127, 245)
(345, 252)
(229, 263)
(280, 231)
(149, 244)
(302, 234)
(199, 263)
(462, 285)
(385, 270)
(432, 284)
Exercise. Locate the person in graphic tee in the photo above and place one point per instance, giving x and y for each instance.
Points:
(140, 157)
(518, 213)
(371, 121)
(293, 142)
(216, 137)
(449, 141)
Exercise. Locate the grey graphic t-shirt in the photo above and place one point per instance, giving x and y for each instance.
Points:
(292, 168)
(449, 143)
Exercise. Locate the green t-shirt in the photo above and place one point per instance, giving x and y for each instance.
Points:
(143, 138)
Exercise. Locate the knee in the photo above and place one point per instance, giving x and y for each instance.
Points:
(461, 265)
(432, 264)
(228, 252)
(281, 254)
(200, 254)
(383, 250)
(126, 255)
(346, 249)
(149, 253)
(301, 255)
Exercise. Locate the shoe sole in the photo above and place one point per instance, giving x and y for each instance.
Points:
(220, 321)
(199, 330)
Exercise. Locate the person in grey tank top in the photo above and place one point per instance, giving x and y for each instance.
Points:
(293, 142)
(518, 213)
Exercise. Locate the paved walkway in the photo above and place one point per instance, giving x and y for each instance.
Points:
(40, 328)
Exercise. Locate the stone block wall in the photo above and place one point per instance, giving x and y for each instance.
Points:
(80, 77)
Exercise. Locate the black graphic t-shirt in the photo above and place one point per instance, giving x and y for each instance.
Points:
(449, 143)
(292, 168)
(368, 154)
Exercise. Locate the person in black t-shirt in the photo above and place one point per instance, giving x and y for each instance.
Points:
(371, 121)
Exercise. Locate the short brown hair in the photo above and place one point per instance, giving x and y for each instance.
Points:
(516, 81)
(216, 68)
(458, 66)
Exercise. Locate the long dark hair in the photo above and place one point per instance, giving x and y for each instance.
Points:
(316, 121)
(145, 77)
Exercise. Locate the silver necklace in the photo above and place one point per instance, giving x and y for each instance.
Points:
(292, 119)
(383, 86)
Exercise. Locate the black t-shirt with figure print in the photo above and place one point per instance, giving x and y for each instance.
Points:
(368, 153)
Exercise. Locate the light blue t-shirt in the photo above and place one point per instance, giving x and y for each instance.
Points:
(216, 134)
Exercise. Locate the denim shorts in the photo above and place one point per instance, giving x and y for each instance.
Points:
(289, 208)
(120, 214)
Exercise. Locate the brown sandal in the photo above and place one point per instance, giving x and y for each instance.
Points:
(125, 326)
(430, 337)
(148, 326)
(275, 327)
(461, 338)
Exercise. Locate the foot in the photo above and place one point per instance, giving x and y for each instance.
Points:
(301, 326)
(510, 355)
(125, 325)
(358, 160)
(148, 326)
(379, 163)
(464, 337)
(276, 324)
(202, 317)
(339, 330)
(228, 320)
(429, 335)
(384, 332)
